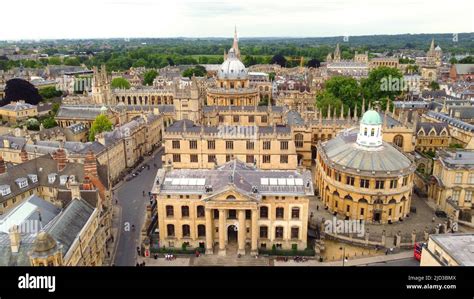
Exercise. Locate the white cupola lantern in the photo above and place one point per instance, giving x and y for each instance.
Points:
(370, 132)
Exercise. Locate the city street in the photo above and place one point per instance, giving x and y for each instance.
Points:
(133, 204)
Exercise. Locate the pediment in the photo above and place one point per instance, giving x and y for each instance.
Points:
(231, 194)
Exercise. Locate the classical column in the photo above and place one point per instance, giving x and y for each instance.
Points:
(254, 249)
(242, 231)
(221, 232)
(209, 239)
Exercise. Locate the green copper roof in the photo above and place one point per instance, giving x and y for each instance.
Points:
(371, 117)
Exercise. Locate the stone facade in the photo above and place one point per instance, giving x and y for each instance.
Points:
(233, 207)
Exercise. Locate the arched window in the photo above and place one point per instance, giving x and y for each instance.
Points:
(186, 230)
(263, 232)
(279, 232)
(184, 211)
(200, 211)
(169, 211)
(372, 132)
(263, 212)
(365, 131)
(280, 213)
(201, 230)
(170, 230)
(295, 213)
(398, 140)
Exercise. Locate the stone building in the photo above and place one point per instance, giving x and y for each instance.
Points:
(452, 183)
(186, 99)
(47, 176)
(432, 136)
(232, 86)
(235, 208)
(17, 112)
(448, 250)
(38, 233)
(188, 145)
(359, 176)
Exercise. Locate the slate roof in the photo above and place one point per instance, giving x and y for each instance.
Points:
(451, 120)
(427, 126)
(239, 175)
(63, 225)
(70, 222)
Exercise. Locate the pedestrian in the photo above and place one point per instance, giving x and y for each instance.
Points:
(386, 252)
(434, 219)
(317, 208)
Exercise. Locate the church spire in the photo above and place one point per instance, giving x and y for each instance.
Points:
(235, 45)
(432, 47)
(337, 54)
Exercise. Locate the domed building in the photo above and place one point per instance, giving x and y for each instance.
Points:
(360, 176)
(46, 251)
(232, 86)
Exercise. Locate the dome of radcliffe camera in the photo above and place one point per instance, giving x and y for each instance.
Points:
(371, 117)
(232, 67)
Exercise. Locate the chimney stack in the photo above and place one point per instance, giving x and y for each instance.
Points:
(90, 165)
(15, 238)
(60, 157)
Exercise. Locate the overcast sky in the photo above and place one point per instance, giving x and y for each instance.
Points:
(40, 19)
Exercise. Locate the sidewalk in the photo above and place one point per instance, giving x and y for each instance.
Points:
(112, 246)
(354, 262)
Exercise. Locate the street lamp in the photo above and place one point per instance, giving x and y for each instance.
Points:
(343, 248)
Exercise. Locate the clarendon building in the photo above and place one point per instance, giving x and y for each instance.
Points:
(360, 176)
(234, 208)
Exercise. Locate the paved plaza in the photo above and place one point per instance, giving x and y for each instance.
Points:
(419, 221)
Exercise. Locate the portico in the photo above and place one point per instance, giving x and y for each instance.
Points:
(229, 211)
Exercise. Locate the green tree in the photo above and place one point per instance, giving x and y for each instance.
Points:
(55, 108)
(49, 122)
(434, 85)
(271, 76)
(120, 83)
(326, 99)
(72, 61)
(49, 92)
(346, 89)
(32, 124)
(466, 60)
(55, 61)
(100, 124)
(453, 60)
(149, 77)
(198, 71)
(383, 82)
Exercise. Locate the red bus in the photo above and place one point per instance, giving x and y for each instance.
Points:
(418, 249)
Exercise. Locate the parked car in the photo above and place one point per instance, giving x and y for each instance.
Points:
(441, 214)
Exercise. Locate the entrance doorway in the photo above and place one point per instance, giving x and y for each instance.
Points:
(232, 234)
(377, 216)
